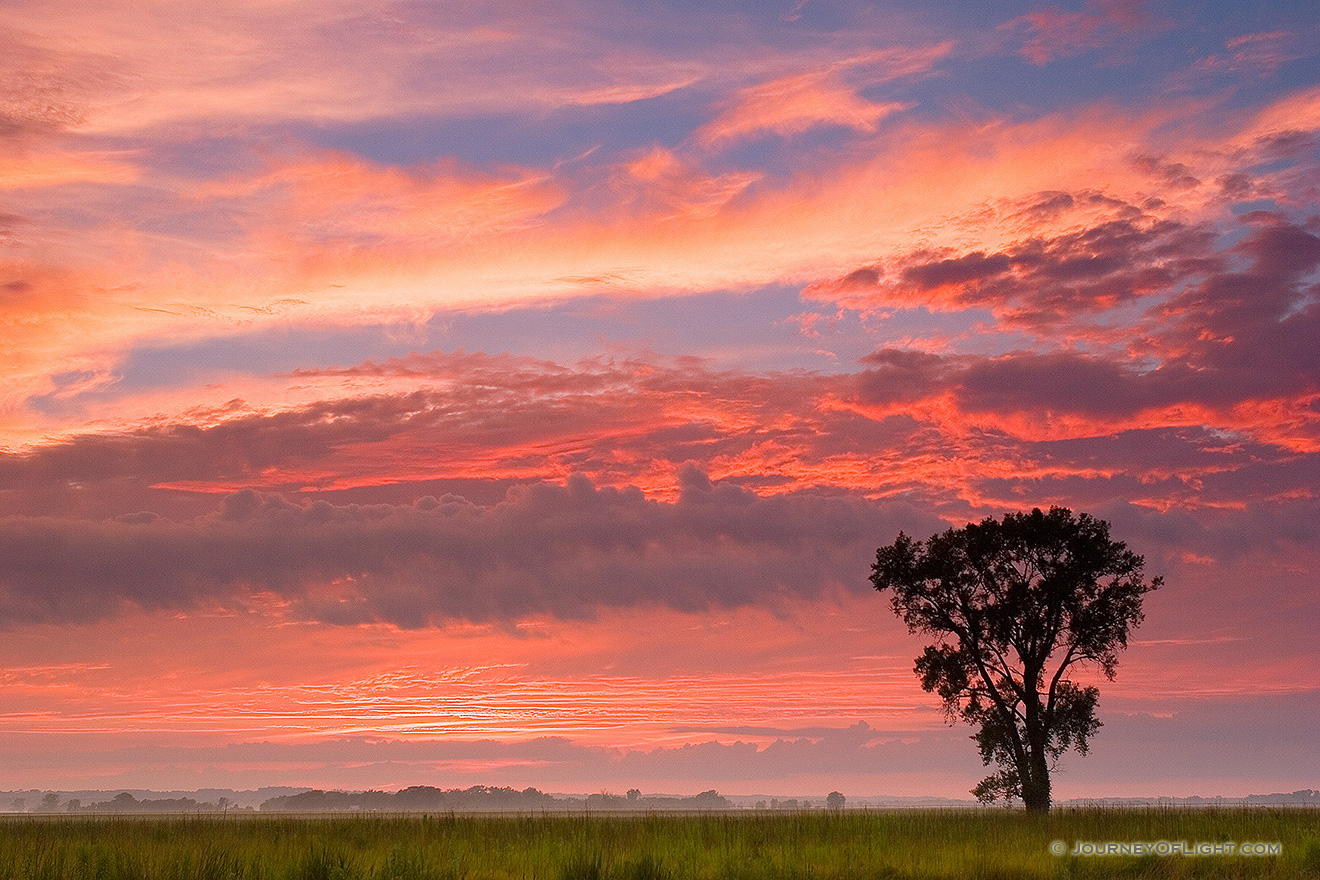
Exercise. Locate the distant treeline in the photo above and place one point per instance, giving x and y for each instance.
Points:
(126, 803)
(480, 798)
(1305, 796)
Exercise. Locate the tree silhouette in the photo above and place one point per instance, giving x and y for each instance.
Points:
(1014, 605)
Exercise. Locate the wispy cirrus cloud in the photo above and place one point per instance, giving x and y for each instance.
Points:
(792, 104)
(345, 240)
(1053, 32)
(1260, 54)
(125, 68)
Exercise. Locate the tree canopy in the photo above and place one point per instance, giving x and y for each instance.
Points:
(1015, 604)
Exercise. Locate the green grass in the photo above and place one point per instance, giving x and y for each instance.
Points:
(892, 845)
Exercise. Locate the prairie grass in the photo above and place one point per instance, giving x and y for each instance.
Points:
(884, 845)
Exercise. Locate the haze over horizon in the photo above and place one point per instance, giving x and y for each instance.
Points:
(426, 393)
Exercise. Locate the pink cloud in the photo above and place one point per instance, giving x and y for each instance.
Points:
(1259, 54)
(127, 68)
(42, 169)
(1055, 33)
(744, 701)
(660, 181)
(793, 104)
(322, 238)
(335, 199)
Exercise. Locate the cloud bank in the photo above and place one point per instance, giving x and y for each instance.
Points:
(556, 550)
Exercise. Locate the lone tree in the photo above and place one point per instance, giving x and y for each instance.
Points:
(1014, 605)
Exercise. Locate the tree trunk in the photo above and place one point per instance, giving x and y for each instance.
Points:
(1036, 784)
(1037, 798)
(1036, 779)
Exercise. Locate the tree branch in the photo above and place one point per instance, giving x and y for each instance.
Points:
(1068, 659)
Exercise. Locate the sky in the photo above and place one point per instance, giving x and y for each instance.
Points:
(516, 393)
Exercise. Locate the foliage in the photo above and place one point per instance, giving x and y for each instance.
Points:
(1016, 604)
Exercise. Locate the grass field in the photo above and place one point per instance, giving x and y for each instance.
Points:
(892, 844)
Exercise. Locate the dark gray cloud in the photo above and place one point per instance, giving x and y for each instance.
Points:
(1061, 382)
(1229, 337)
(1226, 318)
(1186, 466)
(1283, 529)
(546, 549)
(901, 376)
(1047, 282)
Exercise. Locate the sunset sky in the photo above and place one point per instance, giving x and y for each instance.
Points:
(516, 393)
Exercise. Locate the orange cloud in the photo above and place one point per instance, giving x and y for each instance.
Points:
(330, 240)
(335, 198)
(1297, 112)
(493, 681)
(660, 181)
(44, 169)
(792, 104)
(126, 69)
